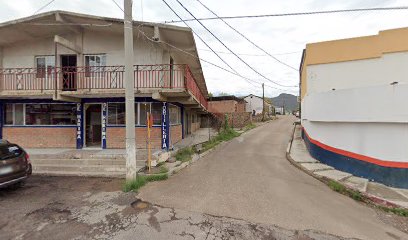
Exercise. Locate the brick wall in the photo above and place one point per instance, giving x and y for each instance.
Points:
(237, 119)
(39, 137)
(175, 134)
(115, 137)
(225, 106)
(241, 107)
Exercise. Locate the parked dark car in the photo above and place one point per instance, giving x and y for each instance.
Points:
(15, 165)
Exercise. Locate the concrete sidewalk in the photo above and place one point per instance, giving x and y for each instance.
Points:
(377, 192)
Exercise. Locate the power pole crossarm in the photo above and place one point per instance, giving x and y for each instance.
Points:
(131, 170)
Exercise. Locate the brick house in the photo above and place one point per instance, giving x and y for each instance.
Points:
(62, 82)
(226, 104)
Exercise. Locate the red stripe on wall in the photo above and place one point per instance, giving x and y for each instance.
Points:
(357, 156)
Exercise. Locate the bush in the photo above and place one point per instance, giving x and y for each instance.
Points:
(185, 154)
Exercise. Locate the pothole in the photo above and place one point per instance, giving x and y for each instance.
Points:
(139, 204)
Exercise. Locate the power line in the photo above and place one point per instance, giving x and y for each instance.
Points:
(253, 69)
(41, 8)
(200, 38)
(194, 56)
(297, 13)
(252, 55)
(246, 38)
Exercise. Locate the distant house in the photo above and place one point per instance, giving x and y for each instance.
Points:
(280, 110)
(226, 104)
(255, 103)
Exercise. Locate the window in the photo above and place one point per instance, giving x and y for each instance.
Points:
(8, 112)
(117, 113)
(93, 63)
(18, 114)
(144, 108)
(14, 114)
(157, 109)
(45, 66)
(10, 151)
(50, 114)
(175, 114)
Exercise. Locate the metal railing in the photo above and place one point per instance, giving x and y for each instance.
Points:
(160, 76)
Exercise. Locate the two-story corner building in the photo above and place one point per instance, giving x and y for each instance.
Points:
(62, 82)
(354, 103)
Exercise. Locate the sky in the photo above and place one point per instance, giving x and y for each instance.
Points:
(283, 37)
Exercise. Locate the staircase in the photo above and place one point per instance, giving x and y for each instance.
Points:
(100, 164)
(90, 165)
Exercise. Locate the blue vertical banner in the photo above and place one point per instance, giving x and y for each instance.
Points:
(80, 126)
(104, 113)
(165, 126)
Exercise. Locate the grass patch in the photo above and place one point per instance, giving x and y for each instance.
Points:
(224, 135)
(185, 154)
(340, 188)
(249, 127)
(163, 169)
(398, 211)
(135, 184)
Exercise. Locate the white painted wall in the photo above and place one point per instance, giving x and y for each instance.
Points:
(365, 114)
(384, 141)
(390, 68)
(254, 103)
(145, 52)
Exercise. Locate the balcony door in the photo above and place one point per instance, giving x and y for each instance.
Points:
(69, 72)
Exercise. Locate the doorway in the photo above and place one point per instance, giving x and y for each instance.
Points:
(93, 125)
(69, 72)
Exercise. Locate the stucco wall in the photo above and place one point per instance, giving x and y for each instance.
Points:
(254, 103)
(357, 74)
(22, 54)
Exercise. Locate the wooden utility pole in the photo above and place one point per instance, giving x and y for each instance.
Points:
(131, 170)
(263, 102)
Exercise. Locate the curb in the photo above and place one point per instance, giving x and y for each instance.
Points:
(373, 200)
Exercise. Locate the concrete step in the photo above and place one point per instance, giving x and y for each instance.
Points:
(80, 162)
(78, 168)
(85, 174)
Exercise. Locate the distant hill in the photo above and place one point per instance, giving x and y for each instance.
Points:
(287, 100)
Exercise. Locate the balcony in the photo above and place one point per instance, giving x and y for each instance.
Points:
(170, 80)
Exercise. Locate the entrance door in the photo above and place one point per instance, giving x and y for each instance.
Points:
(93, 128)
(171, 72)
(69, 72)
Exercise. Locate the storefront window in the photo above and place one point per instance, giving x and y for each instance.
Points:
(157, 109)
(50, 114)
(117, 113)
(19, 114)
(175, 114)
(144, 108)
(8, 112)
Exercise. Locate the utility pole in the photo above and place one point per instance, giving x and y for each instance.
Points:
(131, 171)
(263, 102)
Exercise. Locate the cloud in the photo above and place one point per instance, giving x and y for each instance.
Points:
(276, 35)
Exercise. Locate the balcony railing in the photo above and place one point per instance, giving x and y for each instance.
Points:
(162, 76)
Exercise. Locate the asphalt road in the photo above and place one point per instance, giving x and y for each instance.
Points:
(250, 178)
